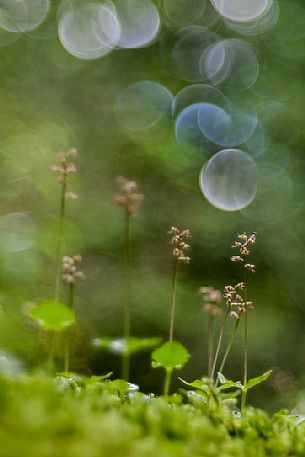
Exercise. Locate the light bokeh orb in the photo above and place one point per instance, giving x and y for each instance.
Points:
(262, 24)
(140, 22)
(187, 131)
(89, 31)
(229, 127)
(229, 180)
(17, 232)
(198, 93)
(22, 15)
(241, 10)
(142, 105)
(190, 44)
(231, 63)
(184, 12)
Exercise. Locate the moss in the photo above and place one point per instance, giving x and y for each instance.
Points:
(43, 418)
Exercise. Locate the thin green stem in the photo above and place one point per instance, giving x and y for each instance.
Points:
(68, 333)
(229, 347)
(220, 341)
(168, 377)
(51, 353)
(211, 322)
(60, 238)
(173, 307)
(244, 392)
(127, 256)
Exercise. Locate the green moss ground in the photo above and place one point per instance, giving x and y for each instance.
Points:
(43, 417)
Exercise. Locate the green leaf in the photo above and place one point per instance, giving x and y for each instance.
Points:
(200, 384)
(228, 383)
(52, 315)
(222, 378)
(129, 346)
(170, 355)
(254, 381)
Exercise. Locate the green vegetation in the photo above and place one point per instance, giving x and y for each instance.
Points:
(76, 416)
(121, 334)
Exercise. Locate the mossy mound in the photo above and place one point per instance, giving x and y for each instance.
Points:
(43, 417)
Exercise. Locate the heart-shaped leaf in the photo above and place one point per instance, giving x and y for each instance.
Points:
(52, 315)
(170, 355)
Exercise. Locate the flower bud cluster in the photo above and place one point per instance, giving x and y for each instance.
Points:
(180, 246)
(242, 244)
(65, 168)
(235, 301)
(128, 195)
(211, 298)
(69, 268)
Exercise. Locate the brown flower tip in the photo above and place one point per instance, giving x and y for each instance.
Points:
(211, 298)
(65, 167)
(70, 271)
(180, 246)
(234, 300)
(242, 244)
(128, 195)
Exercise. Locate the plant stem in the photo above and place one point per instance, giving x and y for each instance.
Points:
(51, 353)
(173, 307)
(211, 322)
(220, 341)
(67, 345)
(244, 392)
(229, 347)
(60, 238)
(125, 359)
(168, 377)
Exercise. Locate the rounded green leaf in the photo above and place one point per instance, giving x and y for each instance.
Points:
(52, 315)
(170, 355)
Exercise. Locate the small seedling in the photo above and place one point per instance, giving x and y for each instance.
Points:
(229, 384)
(130, 199)
(170, 355)
(173, 354)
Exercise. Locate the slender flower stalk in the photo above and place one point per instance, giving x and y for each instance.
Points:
(221, 334)
(211, 299)
(63, 170)
(244, 392)
(70, 275)
(129, 198)
(229, 347)
(179, 253)
(242, 244)
(173, 306)
(178, 240)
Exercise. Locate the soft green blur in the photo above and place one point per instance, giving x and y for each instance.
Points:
(51, 101)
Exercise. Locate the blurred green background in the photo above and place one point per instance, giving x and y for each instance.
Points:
(51, 101)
